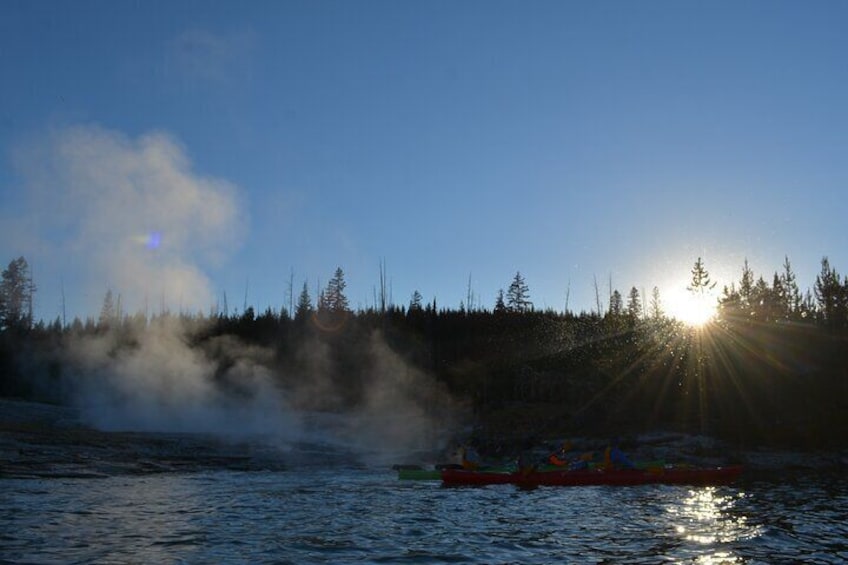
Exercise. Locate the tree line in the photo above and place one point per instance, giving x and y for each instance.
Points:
(773, 366)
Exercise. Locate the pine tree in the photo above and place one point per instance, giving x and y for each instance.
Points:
(616, 307)
(634, 304)
(762, 300)
(656, 311)
(701, 282)
(500, 307)
(746, 288)
(334, 297)
(304, 304)
(518, 295)
(16, 291)
(107, 312)
(830, 295)
(415, 302)
(791, 293)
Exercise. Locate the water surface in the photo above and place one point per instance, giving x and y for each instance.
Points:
(366, 515)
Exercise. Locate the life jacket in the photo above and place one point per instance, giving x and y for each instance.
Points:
(554, 459)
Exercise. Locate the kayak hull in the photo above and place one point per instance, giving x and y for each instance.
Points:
(597, 477)
(416, 473)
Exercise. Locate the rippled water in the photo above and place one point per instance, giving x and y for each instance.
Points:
(362, 515)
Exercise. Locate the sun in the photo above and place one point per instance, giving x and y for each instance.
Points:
(692, 309)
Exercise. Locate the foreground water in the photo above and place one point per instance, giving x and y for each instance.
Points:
(367, 515)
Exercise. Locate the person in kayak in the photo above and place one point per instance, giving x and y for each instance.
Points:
(561, 457)
(470, 458)
(525, 464)
(614, 457)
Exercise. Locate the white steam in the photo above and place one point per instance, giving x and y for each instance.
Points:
(404, 408)
(131, 214)
(162, 384)
(165, 381)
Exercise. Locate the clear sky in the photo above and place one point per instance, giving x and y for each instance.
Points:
(176, 151)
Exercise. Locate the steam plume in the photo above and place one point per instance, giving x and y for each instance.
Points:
(131, 213)
(137, 219)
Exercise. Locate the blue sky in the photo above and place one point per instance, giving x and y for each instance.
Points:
(177, 151)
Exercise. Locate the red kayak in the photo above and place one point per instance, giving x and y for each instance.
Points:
(591, 477)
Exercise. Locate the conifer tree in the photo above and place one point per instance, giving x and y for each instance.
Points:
(791, 294)
(830, 295)
(746, 288)
(634, 304)
(518, 295)
(415, 302)
(107, 312)
(616, 307)
(701, 282)
(656, 311)
(334, 298)
(16, 292)
(304, 304)
(500, 306)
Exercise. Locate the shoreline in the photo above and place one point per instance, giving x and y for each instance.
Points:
(46, 441)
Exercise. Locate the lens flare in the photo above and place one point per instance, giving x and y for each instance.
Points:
(153, 240)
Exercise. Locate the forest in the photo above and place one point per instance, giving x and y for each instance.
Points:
(771, 368)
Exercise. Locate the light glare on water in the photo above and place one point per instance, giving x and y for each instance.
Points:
(347, 515)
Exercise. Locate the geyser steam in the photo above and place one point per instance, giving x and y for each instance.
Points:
(132, 216)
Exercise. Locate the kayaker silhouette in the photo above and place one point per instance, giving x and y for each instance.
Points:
(561, 457)
(470, 458)
(525, 464)
(614, 457)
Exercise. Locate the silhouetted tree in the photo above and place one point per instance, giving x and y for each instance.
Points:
(16, 292)
(830, 295)
(701, 282)
(415, 302)
(500, 307)
(729, 301)
(518, 295)
(107, 312)
(334, 297)
(763, 301)
(616, 306)
(656, 310)
(634, 304)
(791, 295)
(304, 304)
(746, 288)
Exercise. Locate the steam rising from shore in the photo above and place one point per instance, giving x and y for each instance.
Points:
(163, 383)
(137, 219)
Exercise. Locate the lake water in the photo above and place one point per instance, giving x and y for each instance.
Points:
(366, 515)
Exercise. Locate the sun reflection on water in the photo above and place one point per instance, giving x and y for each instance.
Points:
(707, 519)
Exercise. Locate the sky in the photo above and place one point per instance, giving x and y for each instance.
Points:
(177, 153)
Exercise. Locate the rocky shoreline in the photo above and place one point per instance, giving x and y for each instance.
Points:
(46, 441)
